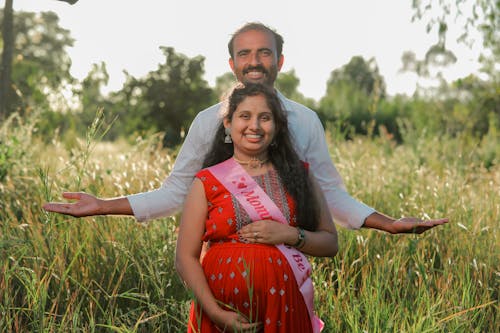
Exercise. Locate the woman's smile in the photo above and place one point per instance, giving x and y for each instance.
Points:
(253, 137)
(252, 127)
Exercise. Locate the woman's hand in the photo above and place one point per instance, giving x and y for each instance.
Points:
(229, 321)
(269, 232)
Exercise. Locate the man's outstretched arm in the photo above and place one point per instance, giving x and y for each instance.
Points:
(161, 202)
(88, 205)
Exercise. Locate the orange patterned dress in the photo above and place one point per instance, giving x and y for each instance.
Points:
(253, 279)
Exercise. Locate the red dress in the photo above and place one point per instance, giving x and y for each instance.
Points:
(253, 279)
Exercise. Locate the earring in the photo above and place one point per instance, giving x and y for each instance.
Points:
(227, 138)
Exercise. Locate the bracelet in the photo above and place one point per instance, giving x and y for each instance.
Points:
(301, 239)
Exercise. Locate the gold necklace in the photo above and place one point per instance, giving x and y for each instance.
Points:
(253, 163)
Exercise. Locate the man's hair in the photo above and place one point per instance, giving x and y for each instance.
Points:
(260, 27)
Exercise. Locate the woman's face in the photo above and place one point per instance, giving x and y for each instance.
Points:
(252, 127)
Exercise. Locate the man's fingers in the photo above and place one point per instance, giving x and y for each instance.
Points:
(72, 195)
(49, 207)
(433, 223)
(56, 208)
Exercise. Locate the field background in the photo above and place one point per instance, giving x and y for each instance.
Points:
(432, 154)
(111, 274)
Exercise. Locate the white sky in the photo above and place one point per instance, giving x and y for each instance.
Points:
(320, 36)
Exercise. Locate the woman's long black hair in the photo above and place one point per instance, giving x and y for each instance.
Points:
(281, 153)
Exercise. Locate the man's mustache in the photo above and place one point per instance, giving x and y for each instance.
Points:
(255, 68)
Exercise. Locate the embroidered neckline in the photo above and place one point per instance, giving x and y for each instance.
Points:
(253, 163)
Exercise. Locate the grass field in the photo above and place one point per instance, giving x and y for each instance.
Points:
(110, 274)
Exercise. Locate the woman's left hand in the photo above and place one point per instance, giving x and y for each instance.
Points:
(268, 232)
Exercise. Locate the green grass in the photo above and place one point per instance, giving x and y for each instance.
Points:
(110, 274)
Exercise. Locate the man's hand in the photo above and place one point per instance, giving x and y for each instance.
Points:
(404, 225)
(85, 205)
(88, 205)
(413, 225)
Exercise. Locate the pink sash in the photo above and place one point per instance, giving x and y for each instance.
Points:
(259, 206)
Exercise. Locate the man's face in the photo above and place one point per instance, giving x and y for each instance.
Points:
(255, 59)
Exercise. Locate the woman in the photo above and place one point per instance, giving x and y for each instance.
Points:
(256, 206)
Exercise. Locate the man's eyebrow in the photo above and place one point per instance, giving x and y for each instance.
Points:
(265, 49)
(258, 50)
(243, 50)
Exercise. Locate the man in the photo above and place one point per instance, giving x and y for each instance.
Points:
(256, 56)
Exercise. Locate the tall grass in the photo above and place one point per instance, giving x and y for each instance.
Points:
(110, 274)
(446, 280)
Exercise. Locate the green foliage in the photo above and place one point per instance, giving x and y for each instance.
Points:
(6, 154)
(175, 93)
(40, 62)
(92, 100)
(90, 90)
(168, 98)
(354, 104)
(223, 84)
(463, 108)
(481, 98)
(165, 100)
(436, 57)
(362, 74)
(387, 115)
(352, 96)
(41, 40)
(347, 105)
(15, 133)
(288, 84)
(470, 15)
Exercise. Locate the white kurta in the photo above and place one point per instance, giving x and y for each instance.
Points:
(309, 139)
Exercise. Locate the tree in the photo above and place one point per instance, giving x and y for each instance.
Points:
(482, 16)
(92, 100)
(169, 98)
(471, 102)
(91, 86)
(223, 84)
(176, 92)
(352, 95)
(6, 66)
(6, 91)
(288, 84)
(362, 74)
(40, 64)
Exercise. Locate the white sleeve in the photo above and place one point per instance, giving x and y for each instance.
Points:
(169, 198)
(346, 210)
